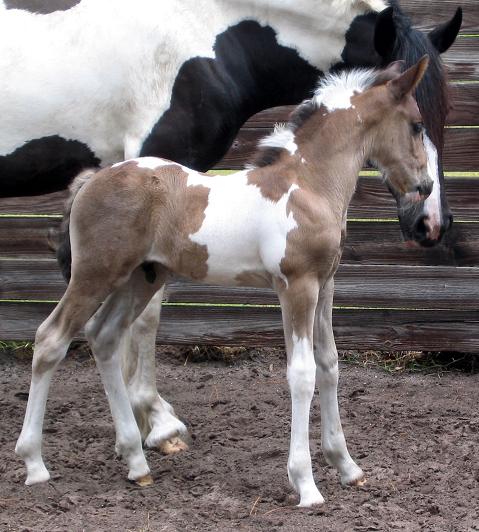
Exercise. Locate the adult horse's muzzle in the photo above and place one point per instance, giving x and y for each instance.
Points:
(416, 225)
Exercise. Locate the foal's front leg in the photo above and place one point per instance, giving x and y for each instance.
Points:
(326, 356)
(298, 303)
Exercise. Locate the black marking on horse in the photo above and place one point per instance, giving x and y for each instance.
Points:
(43, 165)
(150, 273)
(212, 98)
(41, 6)
(376, 39)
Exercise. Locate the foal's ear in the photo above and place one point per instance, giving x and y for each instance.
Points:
(407, 82)
(392, 71)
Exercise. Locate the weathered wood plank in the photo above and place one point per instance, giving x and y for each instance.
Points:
(372, 199)
(462, 59)
(356, 285)
(465, 111)
(372, 242)
(428, 14)
(43, 204)
(461, 149)
(354, 329)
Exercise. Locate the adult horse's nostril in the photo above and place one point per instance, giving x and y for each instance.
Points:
(420, 229)
(448, 219)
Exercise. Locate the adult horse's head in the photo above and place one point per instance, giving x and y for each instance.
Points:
(395, 39)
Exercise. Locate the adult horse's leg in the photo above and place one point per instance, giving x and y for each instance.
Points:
(326, 356)
(298, 304)
(51, 343)
(104, 335)
(156, 419)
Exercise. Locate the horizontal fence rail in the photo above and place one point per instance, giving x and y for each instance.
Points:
(436, 330)
(372, 285)
(461, 148)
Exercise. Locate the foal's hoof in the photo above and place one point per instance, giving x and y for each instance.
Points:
(311, 498)
(37, 475)
(173, 446)
(143, 482)
(358, 483)
(354, 477)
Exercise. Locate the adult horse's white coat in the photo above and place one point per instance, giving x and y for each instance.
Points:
(129, 67)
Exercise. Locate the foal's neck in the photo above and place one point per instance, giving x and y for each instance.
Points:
(330, 156)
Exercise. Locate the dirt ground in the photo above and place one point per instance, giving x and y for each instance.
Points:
(415, 435)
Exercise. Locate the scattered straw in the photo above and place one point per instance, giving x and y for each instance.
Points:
(254, 505)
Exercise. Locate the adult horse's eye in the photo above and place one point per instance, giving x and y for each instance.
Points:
(417, 127)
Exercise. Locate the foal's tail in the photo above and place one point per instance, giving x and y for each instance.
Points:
(63, 247)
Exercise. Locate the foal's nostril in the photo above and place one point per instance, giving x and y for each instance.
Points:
(425, 188)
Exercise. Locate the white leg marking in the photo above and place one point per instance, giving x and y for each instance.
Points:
(332, 438)
(155, 417)
(301, 379)
(49, 351)
(104, 333)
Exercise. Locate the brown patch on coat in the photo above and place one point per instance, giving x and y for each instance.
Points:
(147, 215)
(273, 181)
(255, 279)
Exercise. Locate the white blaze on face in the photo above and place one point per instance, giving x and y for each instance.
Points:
(243, 231)
(432, 205)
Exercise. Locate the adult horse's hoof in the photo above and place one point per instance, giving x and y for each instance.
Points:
(144, 481)
(172, 446)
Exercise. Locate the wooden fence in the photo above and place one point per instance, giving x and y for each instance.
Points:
(387, 296)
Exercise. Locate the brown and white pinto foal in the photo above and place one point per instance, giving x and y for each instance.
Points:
(280, 224)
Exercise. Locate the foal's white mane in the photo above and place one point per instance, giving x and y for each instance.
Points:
(334, 91)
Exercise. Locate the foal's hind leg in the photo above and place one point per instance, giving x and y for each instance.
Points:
(326, 355)
(51, 343)
(159, 426)
(104, 332)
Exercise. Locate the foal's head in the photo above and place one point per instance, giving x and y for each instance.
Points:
(396, 134)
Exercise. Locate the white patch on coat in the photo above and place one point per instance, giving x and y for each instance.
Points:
(282, 137)
(242, 230)
(336, 90)
(301, 379)
(432, 205)
(147, 162)
(105, 81)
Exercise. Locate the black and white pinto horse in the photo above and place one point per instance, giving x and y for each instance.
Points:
(103, 81)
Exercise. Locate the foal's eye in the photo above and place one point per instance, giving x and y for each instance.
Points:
(417, 127)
